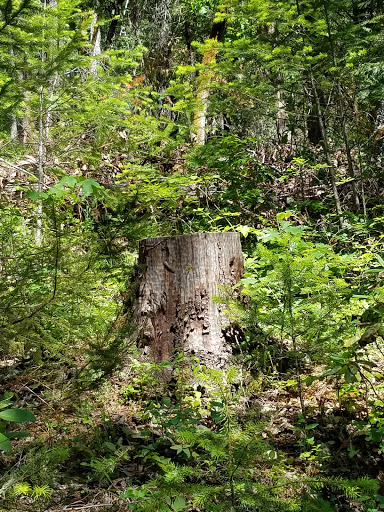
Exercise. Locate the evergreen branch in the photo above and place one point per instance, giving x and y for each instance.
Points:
(12, 17)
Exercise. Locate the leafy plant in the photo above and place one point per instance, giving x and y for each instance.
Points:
(8, 415)
(36, 492)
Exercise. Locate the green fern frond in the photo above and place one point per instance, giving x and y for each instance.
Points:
(186, 437)
(175, 474)
(352, 489)
(40, 492)
(317, 505)
(367, 485)
(203, 497)
(21, 489)
(215, 450)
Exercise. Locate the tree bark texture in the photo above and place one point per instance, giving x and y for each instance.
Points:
(180, 275)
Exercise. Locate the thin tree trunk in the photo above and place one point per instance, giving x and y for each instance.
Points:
(282, 117)
(344, 129)
(312, 121)
(26, 122)
(41, 142)
(95, 39)
(324, 136)
(360, 164)
(200, 116)
(14, 124)
(51, 91)
(199, 134)
(40, 165)
(327, 151)
(48, 122)
(122, 27)
(14, 128)
(175, 305)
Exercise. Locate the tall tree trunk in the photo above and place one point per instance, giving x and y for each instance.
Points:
(115, 11)
(175, 305)
(122, 26)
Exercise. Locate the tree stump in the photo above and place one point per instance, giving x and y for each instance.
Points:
(175, 308)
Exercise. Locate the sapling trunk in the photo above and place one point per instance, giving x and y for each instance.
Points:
(41, 141)
(327, 151)
(344, 129)
(41, 163)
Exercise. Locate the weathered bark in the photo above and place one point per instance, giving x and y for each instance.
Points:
(95, 40)
(281, 117)
(14, 127)
(199, 135)
(180, 275)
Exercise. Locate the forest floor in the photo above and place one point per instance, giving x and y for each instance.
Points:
(87, 442)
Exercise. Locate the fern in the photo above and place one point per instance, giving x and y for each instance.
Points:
(175, 474)
(39, 492)
(21, 489)
(317, 505)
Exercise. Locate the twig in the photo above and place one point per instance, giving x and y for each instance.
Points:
(31, 390)
(16, 167)
(90, 506)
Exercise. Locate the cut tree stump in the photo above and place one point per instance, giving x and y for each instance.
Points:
(175, 307)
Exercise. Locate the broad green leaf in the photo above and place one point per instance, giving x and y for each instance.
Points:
(5, 403)
(311, 426)
(33, 195)
(5, 444)
(179, 503)
(88, 186)
(110, 446)
(216, 415)
(71, 181)
(17, 435)
(283, 216)
(349, 377)
(17, 415)
(244, 230)
(269, 235)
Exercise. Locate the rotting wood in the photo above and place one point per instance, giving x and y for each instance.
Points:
(175, 307)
